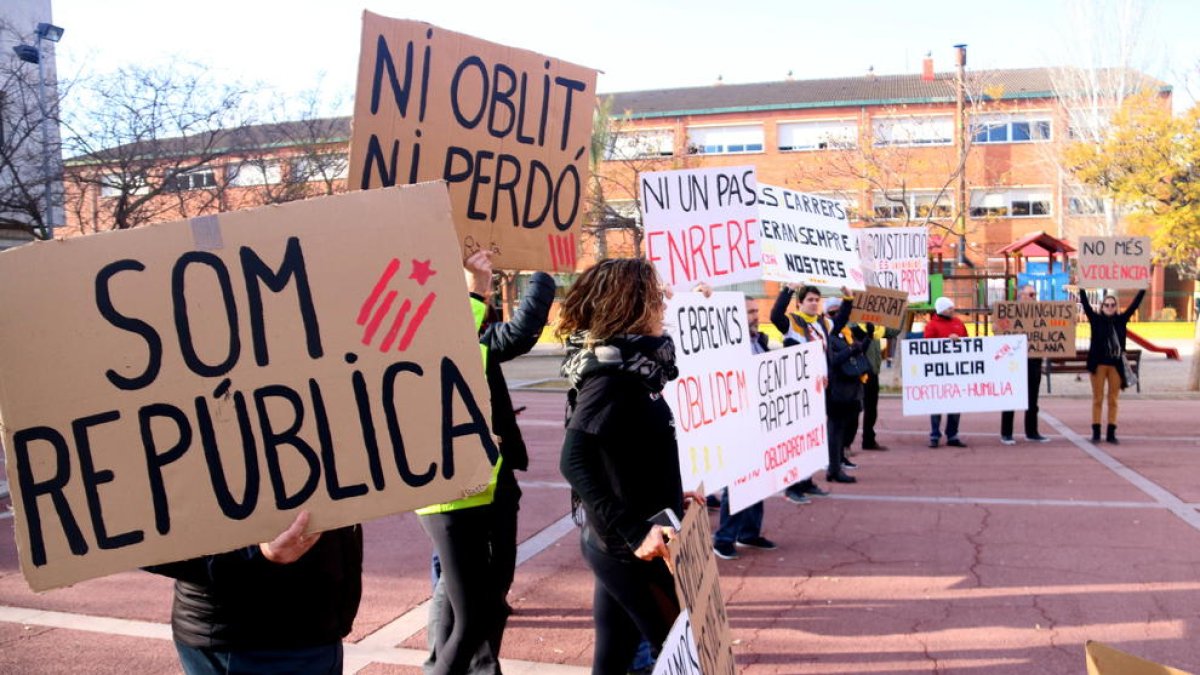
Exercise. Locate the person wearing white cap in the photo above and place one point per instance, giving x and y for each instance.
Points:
(944, 324)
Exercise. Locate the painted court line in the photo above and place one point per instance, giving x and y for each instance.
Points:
(1021, 440)
(992, 501)
(1156, 492)
(413, 621)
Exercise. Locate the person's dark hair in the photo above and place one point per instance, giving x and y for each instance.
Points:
(613, 297)
(806, 291)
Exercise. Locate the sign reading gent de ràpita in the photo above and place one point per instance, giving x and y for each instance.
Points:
(507, 129)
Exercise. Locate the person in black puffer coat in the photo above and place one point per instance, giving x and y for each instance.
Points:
(1104, 357)
(278, 607)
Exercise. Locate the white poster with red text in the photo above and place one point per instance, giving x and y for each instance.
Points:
(964, 375)
(896, 258)
(711, 398)
(789, 413)
(701, 225)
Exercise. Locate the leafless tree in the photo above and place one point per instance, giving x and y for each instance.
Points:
(150, 143)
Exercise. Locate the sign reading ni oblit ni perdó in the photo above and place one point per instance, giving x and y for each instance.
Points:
(507, 129)
(186, 388)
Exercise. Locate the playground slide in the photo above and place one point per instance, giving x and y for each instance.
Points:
(1171, 352)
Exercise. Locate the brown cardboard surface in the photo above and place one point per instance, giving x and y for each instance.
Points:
(1050, 326)
(509, 130)
(1114, 262)
(880, 306)
(248, 355)
(698, 587)
(1104, 660)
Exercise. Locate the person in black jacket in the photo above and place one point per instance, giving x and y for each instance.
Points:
(282, 606)
(1104, 357)
(620, 454)
(476, 540)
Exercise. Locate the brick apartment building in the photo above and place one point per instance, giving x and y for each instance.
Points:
(890, 146)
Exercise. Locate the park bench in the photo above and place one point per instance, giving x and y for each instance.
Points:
(1078, 364)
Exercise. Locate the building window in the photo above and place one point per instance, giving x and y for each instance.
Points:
(1010, 129)
(1085, 205)
(113, 184)
(725, 140)
(197, 179)
(913, 130)
(332, 166)
(1010, 203)
(640, 144)
(254, 174)
(915, 203)
(817, 135)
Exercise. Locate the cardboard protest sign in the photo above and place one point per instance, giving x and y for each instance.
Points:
(699, 589)
(1114, 262)
(678, 655)
(880, 306)
(790, 411)
(1050, 326)
(711, 399)
(896, 258)
(806, 239)
(186, 388)
(972, 374)
(701, 225)
(1104, 660)
(508, 129)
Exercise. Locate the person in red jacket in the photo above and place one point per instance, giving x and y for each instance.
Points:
(944, 324)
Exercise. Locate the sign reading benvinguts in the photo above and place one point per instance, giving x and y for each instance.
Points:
(1050, 326)
(1114, 262)
(508, 129)
(186, 388)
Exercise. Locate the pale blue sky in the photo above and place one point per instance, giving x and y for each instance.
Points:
(639, 45)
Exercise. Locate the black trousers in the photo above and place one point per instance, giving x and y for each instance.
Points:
(633, 598)
(467, 613)
(870, 408)
(1033, 375)
(841, 423)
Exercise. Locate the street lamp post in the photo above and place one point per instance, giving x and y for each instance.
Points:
(52, 33)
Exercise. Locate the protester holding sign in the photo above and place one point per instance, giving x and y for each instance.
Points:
(874, 353)
(944, 324)
(499, 342)
(848, 369)
(743, 528)
(282, 606)
(620, 454)
(1033, 373)
(1106, 356)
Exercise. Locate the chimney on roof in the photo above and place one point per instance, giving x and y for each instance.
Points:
(870, 72)
(927, 68)
(720, 80)
(789, 76)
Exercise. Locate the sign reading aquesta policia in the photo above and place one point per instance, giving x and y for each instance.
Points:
(186, 388)
(971, 374)
(508, 129)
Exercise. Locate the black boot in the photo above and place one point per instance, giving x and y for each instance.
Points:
(1112, 435)
(1095, 433)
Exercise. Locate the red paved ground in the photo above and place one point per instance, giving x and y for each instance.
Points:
(1009, 576)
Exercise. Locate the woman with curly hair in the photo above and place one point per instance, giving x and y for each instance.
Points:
(619, 454)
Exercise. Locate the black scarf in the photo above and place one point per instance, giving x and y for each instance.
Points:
(649, 357)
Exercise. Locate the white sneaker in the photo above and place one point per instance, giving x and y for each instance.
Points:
(1007, 440)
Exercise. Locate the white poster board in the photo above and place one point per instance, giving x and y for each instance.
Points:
(790, 415)
(972, 374)
(701, 225)
(711, 399)
(896, 258)
(678, 655)
(806, 239)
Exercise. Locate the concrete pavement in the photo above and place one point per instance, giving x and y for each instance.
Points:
(988, 559)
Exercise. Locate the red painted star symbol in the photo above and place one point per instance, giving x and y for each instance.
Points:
(422, 270)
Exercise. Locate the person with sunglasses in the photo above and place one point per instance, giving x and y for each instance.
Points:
(1104, 357)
